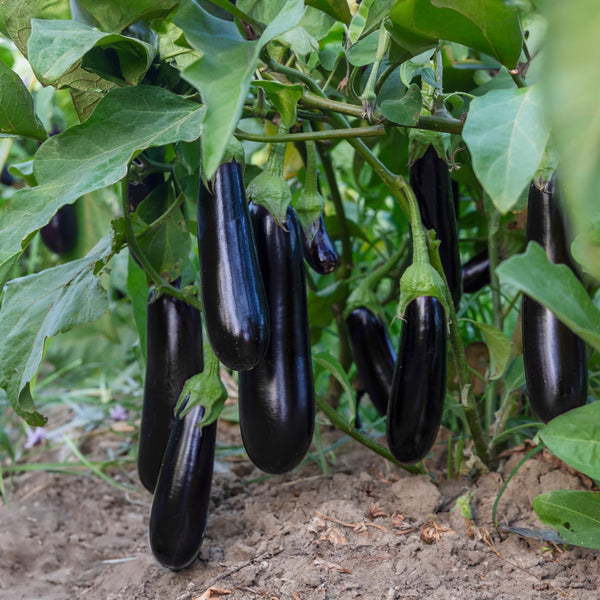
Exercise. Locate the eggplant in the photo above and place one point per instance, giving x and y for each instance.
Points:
(320, 252)
(276, 397)
(233, 293)
(430, 181)
(476, 273)
(138, 190)
(60, 234)
(374, 355)
(419, 384)
(555, 358)
(173, 355)
(181, 500)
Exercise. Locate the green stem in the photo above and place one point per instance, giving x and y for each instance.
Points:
(276, 159)
(340, 423)
(164, 217)
(132, 242)
(519, 81)
(310, 180)
(368, 96)
(384, 77)
(329, 134)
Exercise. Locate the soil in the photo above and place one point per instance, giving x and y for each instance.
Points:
(366, 529)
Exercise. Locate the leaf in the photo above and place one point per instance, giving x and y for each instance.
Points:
(574, 513)
(338, 9)
(331, 364)
(556, 287)
(515, 375)
(284, 98)
(37, 307)
(224, 72)
(574, 437)
(115, 16)
(571, 88)
(489, 26)
(405, 110)
(17, 113)
(54, 47)
(498, 345)
(95, 154)
(506, 135)
(363, 51)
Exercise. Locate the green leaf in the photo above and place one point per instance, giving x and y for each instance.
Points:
(331, 364)
(224, 72)
(338, 9)
(17, 114)
(571, 88)
(55, 47)
(498, 345)
(37, 307)
(506, 134)
(363, 52)
(137, 288)
(575, 438)
(515, 375)
(95, 154)
(284, 98)
(405, 110)
(489, 26)
(556, 287)
(115, 16)
(574, 513)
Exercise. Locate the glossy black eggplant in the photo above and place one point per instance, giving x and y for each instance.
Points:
(374, 355)
(430, 180)
(276, 398)
(60, 234)
(233, 293)
(320, 253)
(419, 384)
(476, 273)
(554, 357)
(173, 355)
(181, 500)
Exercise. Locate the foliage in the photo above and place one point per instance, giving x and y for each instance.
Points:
(94, 99)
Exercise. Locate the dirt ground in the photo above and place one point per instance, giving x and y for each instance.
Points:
(367, 529)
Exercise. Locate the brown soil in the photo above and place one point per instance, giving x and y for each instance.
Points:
(365, 530)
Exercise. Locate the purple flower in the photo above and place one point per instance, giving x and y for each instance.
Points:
(118, 413)
(34, 436)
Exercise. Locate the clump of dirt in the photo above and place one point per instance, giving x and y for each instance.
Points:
(367, 529)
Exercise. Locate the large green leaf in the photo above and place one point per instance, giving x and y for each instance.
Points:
(506, 134)
(498, 345)
(490, 26)
(575, 438)
(95, 154)
(39, 306)
(55, 47)
(571, 89)
(115, 16)
(17, 114)
(556, 287)
(574, 513)
(224, 72)
(405, 110)
(338, 9)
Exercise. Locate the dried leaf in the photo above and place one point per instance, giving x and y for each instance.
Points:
(334, 536)
(329, 565)
(376, 511)
(213, 592)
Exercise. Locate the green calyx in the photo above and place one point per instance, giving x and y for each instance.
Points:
(310, 204)
(206, 389)
(270, 189)
(421, 279)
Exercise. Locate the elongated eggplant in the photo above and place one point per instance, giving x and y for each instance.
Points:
(419, 384)
(320, 252)
(174, 354)
(233, 293)
(276, 398)
(374, 355)
(476, 273)
(554, 357)
(180, 505)
(430, 180)
(60, 234)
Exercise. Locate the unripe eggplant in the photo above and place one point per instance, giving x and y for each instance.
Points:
(233, 294)
(419, 384)
(180, 505)
(374, 355)
(276, 397)
(554, 357)
(174, 354)
(320, 252)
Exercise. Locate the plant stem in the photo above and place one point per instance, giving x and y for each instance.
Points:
(328, 134)
(339, 423)
(164, 217)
